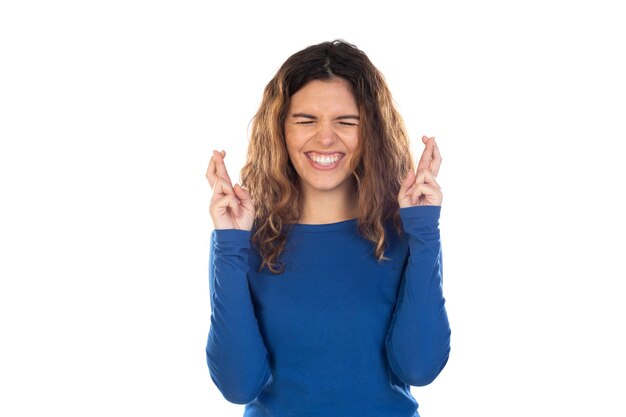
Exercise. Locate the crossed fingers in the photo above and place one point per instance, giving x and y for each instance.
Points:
(217, 169)
(431, 157)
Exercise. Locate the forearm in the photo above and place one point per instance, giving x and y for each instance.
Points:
(418, 343)
(236, 354)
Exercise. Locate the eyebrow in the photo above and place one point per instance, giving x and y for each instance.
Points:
(310, 116)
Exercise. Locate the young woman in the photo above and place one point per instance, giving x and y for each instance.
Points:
(325, 265)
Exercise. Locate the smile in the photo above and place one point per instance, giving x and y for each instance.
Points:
(324, 159)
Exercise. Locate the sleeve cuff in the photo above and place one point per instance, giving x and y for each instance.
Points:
(232, 237)
(418, 220)
(427, 213)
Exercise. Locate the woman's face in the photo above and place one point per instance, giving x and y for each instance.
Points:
(322, 135)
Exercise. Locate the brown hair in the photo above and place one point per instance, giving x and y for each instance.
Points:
(384, 156)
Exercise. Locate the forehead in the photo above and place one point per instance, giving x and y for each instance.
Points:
(333, 94)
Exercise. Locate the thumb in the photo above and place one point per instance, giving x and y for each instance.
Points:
(243, 196)
(404, 195)
(406, 185)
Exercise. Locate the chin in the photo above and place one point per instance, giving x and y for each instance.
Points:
(328, 186)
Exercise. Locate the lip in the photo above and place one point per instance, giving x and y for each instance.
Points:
(324, 167)
(326, 153)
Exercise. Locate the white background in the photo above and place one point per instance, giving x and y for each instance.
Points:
(109, 111)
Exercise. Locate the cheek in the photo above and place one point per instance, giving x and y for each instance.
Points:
(353, 142)
(355, 151)
(289, 142)
(292, 149)
(294, 141)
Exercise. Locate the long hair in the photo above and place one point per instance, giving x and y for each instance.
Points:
(383, 159)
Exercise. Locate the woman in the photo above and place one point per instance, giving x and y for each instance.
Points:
(325, 266)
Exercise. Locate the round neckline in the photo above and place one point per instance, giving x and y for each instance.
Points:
(323, 227)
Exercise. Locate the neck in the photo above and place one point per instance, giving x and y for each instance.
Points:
(322, 207)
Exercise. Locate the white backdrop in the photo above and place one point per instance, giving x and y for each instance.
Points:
(109, 111)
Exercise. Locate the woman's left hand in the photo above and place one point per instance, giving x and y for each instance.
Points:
(421, 188)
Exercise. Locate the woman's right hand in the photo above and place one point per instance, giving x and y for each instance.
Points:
(231, 207)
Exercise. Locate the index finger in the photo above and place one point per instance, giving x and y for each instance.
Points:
(220, 167)
(210, 172)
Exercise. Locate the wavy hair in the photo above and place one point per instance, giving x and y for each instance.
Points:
(383, 159)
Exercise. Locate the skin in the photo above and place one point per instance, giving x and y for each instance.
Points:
(317, 122)
(323, 120)
(420, 188)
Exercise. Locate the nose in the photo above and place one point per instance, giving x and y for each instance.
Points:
(326, 134)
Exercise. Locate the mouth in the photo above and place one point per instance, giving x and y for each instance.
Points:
(325, 159)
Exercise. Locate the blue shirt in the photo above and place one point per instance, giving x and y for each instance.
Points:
(339, 333)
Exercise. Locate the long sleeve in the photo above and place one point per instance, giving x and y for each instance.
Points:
(236, 355)
(418, 340)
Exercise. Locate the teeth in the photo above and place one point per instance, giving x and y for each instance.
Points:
(324, 160)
